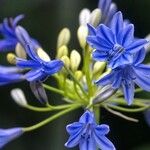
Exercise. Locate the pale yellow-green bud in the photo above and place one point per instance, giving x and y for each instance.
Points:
(63, 37)
(99, 67)
(42, 54)
(66, 61)
(62, 51)
(108, 71)
(82, 34)
(19, 97)
(75, 60)
(84, 16)
(11, 58)
(78, 75)
(20, 51)
(95, 17)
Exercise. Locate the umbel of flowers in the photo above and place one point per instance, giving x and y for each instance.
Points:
(111, 73)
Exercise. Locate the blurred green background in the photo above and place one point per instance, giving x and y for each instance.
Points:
(44, 19)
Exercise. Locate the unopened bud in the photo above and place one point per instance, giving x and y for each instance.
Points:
(104, 93)
(78, 75)
(62, 51)
(147, 46)
(20, 51)
(63, 37)
(75, 60)
(82, 34)
(106, 73)
(66, 61)
(99, 67)
(95, 17)
(84, 16)
(11, 58)
(42, 54)
(19, 97)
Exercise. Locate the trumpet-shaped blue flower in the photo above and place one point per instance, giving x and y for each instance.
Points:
(10, 75)
(126, 76)
(108, 9)
(88, 134)
(7, 30)
(7, 135)
(39, 69)
(116, 44)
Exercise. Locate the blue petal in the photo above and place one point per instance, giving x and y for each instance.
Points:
(117, 23)
(74, 139)
(74, 128)
(92, 30)
(87, 117)
(17, 19)
(142, 69)
(106, 33)
(139, 57)
(99, 55)
(126, 36)
(7, 45)
(102, 129)
(102, 142)
(35, 75)
(117, 81)
(105, 80)
(136, 45)
(87, 144)
(7, 135)
(143, 81)
(53, 66)
(23, 63)
(128, 90)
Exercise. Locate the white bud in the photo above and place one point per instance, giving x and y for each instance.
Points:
(95, 17)
(66, 61)
(82, 35)
(19, 97)
(84, 16)
(20, 51)
(63, 37)
(99, 67)
(75, 60)
(42, 54)
(62, 51)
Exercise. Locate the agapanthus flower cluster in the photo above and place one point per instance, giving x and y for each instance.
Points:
(112, 70)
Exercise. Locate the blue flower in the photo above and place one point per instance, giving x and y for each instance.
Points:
(7, 135)
(108, 9)
(10, 75)
(7, 30)
(39, 68)
(88, 134)
(126, 76)
(116, 44)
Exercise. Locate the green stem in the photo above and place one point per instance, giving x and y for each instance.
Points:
(53, 89)
(97, 114)
(46, 109)
(76, 81)
(127, 109)
(51, 118)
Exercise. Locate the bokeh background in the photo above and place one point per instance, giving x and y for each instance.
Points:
(44, 19)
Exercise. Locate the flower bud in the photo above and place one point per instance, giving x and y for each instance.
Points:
(42, 54)
(99, 67)
(20, 51)
(82, 34)
(106, 73)
(84, 17)
(75, 60)
(95, 17)
(66, 61)
(63, 37)
(19, 97)
(147, 46)
(78, 75)
(103, 94)
(11, 58)
(62, 51)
